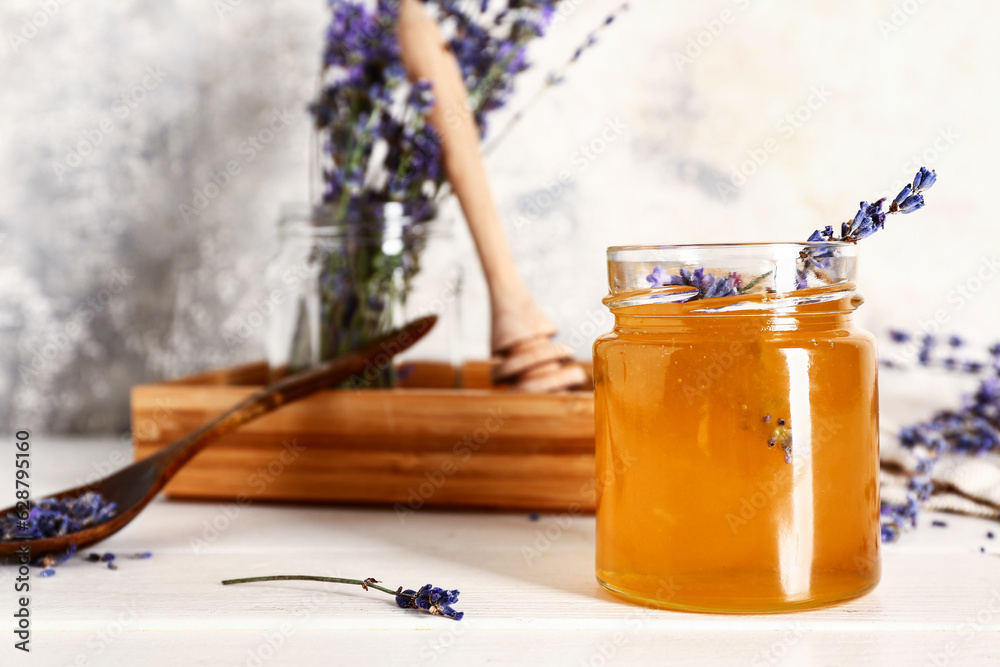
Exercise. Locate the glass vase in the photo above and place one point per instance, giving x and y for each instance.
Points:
(737, 436)
(345, 280)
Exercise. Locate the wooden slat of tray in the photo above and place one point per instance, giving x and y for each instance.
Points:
(486, 447)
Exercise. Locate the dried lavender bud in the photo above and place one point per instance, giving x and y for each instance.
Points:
(924, 180)
(938, 523)
(435, 600)
(53, 517)
(927, 345)
(989, 535)
(895, 518)
(708, 285)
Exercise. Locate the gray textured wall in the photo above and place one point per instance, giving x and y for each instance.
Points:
(105, 282)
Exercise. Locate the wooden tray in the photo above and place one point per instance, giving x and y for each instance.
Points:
(421, 445)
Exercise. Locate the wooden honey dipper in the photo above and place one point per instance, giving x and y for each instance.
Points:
(520, 332)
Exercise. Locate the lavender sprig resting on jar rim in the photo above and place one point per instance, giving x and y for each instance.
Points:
(815, 259)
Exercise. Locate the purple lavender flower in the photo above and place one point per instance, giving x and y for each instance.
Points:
(708, 285)
(378, 151)
(911, 204)
(895, 518)
(429, 598)
(924, 180)
(52, 517)
(658, 277)
(869, 219)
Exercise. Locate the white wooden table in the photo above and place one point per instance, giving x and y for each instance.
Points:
(528, 590)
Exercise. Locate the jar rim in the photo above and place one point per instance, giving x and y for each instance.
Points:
(725, 246)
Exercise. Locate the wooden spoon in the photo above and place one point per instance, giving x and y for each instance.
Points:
(132, 487)
(520, 333)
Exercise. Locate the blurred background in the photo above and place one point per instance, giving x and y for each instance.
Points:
(720, 121)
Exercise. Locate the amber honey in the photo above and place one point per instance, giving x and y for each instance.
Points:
(737, 454)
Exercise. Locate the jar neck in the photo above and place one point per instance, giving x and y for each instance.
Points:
(797, 315)
(734, 325)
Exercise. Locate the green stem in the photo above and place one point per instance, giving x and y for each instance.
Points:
(753, 283)
(364, 583)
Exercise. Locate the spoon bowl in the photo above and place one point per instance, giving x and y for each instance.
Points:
(133, 487)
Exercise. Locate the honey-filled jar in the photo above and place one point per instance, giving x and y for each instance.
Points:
(736, 408)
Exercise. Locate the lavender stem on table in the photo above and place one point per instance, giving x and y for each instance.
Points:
(431, 599)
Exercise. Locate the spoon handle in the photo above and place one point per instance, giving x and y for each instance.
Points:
(375, 354)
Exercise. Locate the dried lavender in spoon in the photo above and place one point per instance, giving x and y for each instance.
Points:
(54, 517)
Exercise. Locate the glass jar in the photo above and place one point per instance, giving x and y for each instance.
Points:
(737, 435)
(338, 283)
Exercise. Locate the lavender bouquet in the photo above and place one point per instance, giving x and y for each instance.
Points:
(379, 170)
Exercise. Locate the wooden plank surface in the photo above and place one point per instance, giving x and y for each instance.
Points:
(496, 448)
(528, 590)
